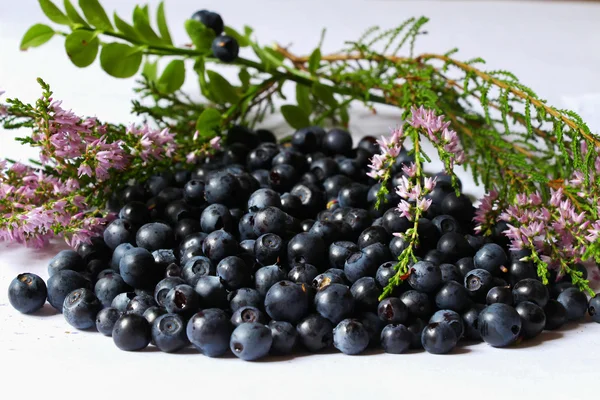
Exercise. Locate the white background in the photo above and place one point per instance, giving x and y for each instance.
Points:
(552, 47)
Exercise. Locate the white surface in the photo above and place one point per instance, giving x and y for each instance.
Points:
(550, 46)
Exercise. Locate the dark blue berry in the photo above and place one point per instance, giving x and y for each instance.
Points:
(292, 205)
(396, 339)
(284, 337)
(334, 302)
(337, 141)
(138, 268)
(131, 332)
(210, 19)
(594, 308)
(326, 279)
(533, 319)
(499, 324)
(282, 177)
(575, 303)
(361, 264)
(263, 198)
(531, 290)
(350, 337)
(446, 224)
(135, 212)
(287, 301)
(366, 293)
(315, 332)
(155, 236)
(425, 277)
(245, 297)
(339, 252)
(392, 311)
(248, 314)
(385, 272)
(454, 246)
(233, 272)
(267, 276)
(334, 184)
(465, 265)
(371, 235)
(121, 301)
(218, 245)
(119, 231)
(139, 304)
(395, 222)
(438, 338)
(195, 268)
(450, 272)
(193, 193)
(471, 321)
(164, 257)
(225, 48)
(436, 257)
(215, 217)
(211, 291)
(209, 331)
(453, 296)
(491, 257)
(62, 283)
(169, 333)
(163, 287)
(80, 308)
(269, 249)
(418, 303)
(66, 259)
(309, 139)
(182, 300)
(251, 341)
(305, 248)
(303, 273)
(106, 320)
(107, 288)
(272, 220)
(500, 294)
(556, 315)
(416, 327)
(222, 187)
(27, 293)
(460, 207)
(478, 282)
(118, 253)
(152, 313)
(452, 318)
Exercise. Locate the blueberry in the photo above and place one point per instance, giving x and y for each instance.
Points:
(107, 288)
(328, 231)
(425, 276)
(292, 205)
(225, 48)
(210, 19)
(211, 291)
(373, 234)
(325, 279)
(163, 287)
(248, 314)
(195, 268)
(138, 268)
(478, 282)
(471, 321)
(121, 301)
(353, 195)
(303, 273)
(392, 311)
(66, 259)
(261, 158)
(324, 168)
(366, 293)
(131, 332)
(358, 219)
(499, 324)
(246, 227)
(173, 271)
(62, 283)
(454, 246)
(305, 248)
(155, 236)
(133, 193)
(139, 304)
(418, 303)
(215, 217)
(164, 257)
(269, 248)
(218, 245)
(575, 303)
(80, 308)
(222, 187)
(245, 297)
(27, 293)
(533, 319)
(119, 231)
(500, 294)
(337, 141)
(436, 257)
(193, 241)
(106, 320)
(287, 301)
(182, 300)
(491, 257)
(556, 315)
(168, 333)
(309, 139)
(385, 272)
(282, 177)
(451, 318)
(152, 313)
(209, 331)
(361, 264)
(135, 212)
(334, 302)
(416, 327)
(272, 220)
(247, 246)
(476, 242)
(460, 207)
(350, 337)
(453, 296)
(395, 222)
(193, 193)
(450, 272)
(233, 272)
(396, 339)
(315, 332)
(446, 224)
(284, 337)
(251, 341)
(312, 197)
(594, 308)
(334, 184)
(531, 290)
(96, 249)
(438, 338)
(465, 265)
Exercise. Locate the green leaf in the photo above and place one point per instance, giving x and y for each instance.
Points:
(54, 13)
(125, 28)
(161, 21)
(221, 89)
(303, 98)
(82, 47)
(344, 116)
(248, 31)
(268, 56)
(325, 94)
(244, 76)
(120, 60)
(242, 40)
(208, 123)
(314, 60)
(150, 70)
(36, 36)
(295, 116)
(201, 36)
(73, 14)
(141, 23)
(172, 77)
(95, 14)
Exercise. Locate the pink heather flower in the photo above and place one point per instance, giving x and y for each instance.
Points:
(424, 204)
(430, 184)
(410, 170)
(196, 135)
(405, 208)
(215, 142)
(191, 157)
(594, 232)
(84, 169)
(2, 165)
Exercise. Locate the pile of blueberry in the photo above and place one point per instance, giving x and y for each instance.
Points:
(270, 248)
